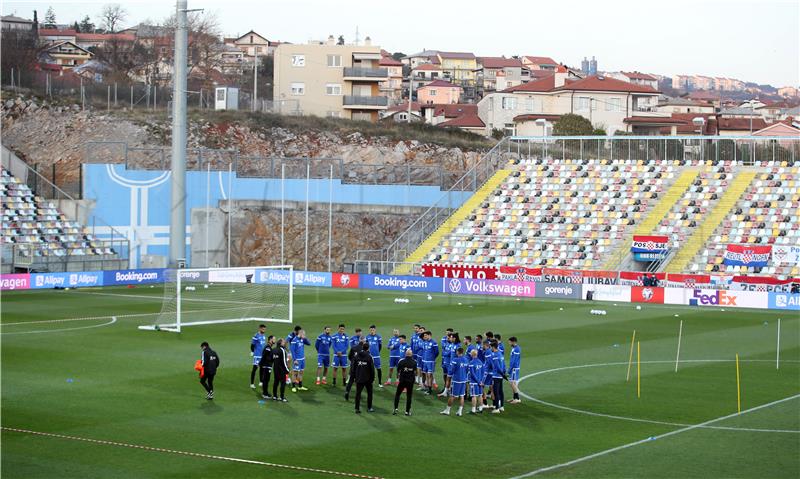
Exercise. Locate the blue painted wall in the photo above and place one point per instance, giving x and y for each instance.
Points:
(137, 202)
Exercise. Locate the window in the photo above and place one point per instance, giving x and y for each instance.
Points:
(333, 89)
(298, 88)
(508, 129)
(298, 60)
(433, 92)
(614, 104)
(334, 60)
(530, 104)
(583, 103)
(509, 103)
(334, 114)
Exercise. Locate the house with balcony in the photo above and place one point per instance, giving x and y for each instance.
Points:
(539, 63)
(253, 44)
(424, 74)
(323, 78)
(64, 55)
(608, 103)
(459, 68)
(683, 105)
(638, 78)
(393, 86)
(499, 73)
(421, 58)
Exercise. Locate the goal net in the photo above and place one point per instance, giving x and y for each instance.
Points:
(225, 295)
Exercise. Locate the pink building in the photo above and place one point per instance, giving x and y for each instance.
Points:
(440, 92)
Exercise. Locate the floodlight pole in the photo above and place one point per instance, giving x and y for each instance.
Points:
(177, 226)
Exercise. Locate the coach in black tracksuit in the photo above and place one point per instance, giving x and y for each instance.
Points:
(364, 377)
(266, 366)
(280, 368)
(351, 358)
(406, 374)
(210, 361)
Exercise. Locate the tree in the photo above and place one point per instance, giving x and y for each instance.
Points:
(112, 17)
(572, 125)
(398, 55)
(76, 27)
(50, 18)
(340, 41)
(86, 25)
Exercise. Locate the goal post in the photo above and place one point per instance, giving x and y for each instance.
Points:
(203, 296)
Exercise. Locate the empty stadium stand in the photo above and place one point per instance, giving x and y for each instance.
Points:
(35, 232)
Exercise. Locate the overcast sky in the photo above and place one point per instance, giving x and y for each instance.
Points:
(750, 40)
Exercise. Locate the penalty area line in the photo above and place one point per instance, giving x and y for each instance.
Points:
(642, 441)
(187, 453)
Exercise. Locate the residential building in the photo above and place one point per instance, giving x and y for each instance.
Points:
(65, 55)
(229, 59)
(608, 103)
(416, 110)
(470, 123)
(637, 78)
(326, 79)
(436, 114)
(91, 41)
(421, 58)
(439, 91)
(393, 86)
(739, 126)
(425, 73)
(589, 67)
(402, 116)
(682, 82)
(539, 63)
(683, 105)
(788, 92)
(252, 44)
(701, 82)
(12, 23)
(50, 36)
(459, 68)
(773, 110)
(534, 124)
(509, 70)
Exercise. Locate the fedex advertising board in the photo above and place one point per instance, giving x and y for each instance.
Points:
(490, 287)
(401, 283)
(716, 298)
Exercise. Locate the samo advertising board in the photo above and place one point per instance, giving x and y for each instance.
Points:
(546, 289)
(11, 282)
(491, 287)
(401, 283)
(344, 280)
(784, 301)
(647, 294)
(66, 280)
(133, 276)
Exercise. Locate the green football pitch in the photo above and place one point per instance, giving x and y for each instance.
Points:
(99, 398)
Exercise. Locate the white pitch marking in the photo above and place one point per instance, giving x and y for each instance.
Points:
(649, 421)
(61, 330)
(661, 436)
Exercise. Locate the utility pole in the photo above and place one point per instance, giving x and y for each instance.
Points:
(410, 90)
(177, 226)
(255, 77)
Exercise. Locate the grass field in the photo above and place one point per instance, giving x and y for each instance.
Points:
(94, 379)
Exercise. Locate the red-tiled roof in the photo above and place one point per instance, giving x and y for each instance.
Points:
(536, 116)
(499, 62)
(653, 120)
(428, 67)
(539, 74)
(455, 110)
(602, 83)
(100, 37)
(54, 32)
(388, 61)
(540, 60)
(441, 84)
(740, 124)
(457, 55)
(415, 106)
(466, 121)
(545, 84)
(639, 76)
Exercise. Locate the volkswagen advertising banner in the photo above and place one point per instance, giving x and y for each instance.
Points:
(66, 280)
(547, 289)
(133, 276)
(784, 301)
(401, 283)
(11, 282)
(491, 287)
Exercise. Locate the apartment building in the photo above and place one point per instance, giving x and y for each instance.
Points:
(499, 73)
(393, 86)
(638, 78)
(326, 79)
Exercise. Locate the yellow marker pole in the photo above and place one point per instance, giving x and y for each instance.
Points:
(639, 371)
(630, 358)
(738, 387)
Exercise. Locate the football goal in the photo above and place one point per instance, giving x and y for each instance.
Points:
(225, 295)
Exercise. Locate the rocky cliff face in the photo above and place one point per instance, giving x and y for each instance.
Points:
(45, 135)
